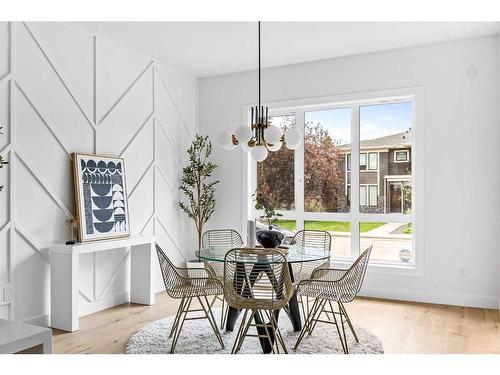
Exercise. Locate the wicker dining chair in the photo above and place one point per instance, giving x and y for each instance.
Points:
(313, 240)
(187, 284)
(225, 239)
(328, 286)
(258, 281)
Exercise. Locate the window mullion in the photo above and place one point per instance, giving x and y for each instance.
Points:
(355, 181)
(299, 172)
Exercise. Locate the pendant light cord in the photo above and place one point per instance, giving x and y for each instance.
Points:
(260, 114)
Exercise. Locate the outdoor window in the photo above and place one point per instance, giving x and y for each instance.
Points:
(362, 162)
(275, 175)
(372, 191)
(394, 245)
(327, 136)
(401, 156)
(362, 195)
(372, 161)
(362, 198)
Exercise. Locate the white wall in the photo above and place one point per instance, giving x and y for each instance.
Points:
(460, 177)
(64, 90)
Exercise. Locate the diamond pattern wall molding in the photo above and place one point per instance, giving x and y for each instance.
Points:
(64, 90)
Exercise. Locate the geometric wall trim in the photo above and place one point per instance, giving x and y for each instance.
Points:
(65, 90)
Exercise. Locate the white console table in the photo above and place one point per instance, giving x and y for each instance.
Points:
(24, 338)
(64, 268)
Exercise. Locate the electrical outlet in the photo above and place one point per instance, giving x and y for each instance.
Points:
(8, 293)
(462, 272)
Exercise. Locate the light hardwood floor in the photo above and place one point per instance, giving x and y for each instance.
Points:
(403, 327)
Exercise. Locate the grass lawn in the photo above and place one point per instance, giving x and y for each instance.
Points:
(408, 229)
(336, 226)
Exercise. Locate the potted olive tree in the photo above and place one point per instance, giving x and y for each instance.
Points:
(264, 201)
(198, 186)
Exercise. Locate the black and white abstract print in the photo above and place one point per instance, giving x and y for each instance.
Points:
(102, 197)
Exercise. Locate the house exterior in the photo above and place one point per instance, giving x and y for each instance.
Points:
(384, 175)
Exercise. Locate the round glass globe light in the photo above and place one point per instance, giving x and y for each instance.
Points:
(275, 147)
(225, 140)
(292, 139)
(243, 133)
(272, 134)
(259, 153)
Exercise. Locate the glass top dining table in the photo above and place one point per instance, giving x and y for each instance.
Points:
(295, 253)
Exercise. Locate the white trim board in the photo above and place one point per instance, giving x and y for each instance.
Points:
(428, 296)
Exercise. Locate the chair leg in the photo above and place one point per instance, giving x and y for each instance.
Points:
(308, 322)
(222, 314)
(216, 297)
(279, 338)
(211, 320)
(266, 329)
(337, 326)
(323, 303)
(301, 301)
(346, 349)
(240, 330)
(180, 323)
(177, 316)
(245, 330)
(349, 321)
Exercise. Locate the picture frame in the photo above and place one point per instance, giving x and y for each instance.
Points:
(101, 198)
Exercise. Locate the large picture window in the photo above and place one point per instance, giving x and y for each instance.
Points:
(351, 176)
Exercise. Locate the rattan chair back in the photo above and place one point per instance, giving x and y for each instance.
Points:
(337, 284)
(355, 275)
(257, 279)
(221, 239)
(171, 276)
(314, 239)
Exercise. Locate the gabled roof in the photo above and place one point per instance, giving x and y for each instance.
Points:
(400, 140)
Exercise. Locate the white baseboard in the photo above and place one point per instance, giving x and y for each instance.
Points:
(39, 320)
(84, 308)
(453, 299)
(87, 308)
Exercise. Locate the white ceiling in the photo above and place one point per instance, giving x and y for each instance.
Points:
(213, 48)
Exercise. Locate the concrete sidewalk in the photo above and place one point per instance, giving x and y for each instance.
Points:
(384, 230)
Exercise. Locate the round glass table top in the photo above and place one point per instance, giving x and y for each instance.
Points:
(294, 253)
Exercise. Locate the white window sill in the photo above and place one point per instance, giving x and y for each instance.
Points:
(385, 268)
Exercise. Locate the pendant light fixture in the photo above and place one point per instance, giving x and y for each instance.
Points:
(260, 136)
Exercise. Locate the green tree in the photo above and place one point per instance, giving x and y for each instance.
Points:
(276, 173)
(323, 179)
(196, 185)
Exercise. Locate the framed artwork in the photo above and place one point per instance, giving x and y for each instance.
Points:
(101, 197)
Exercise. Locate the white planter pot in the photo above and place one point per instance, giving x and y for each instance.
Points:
(195, 264)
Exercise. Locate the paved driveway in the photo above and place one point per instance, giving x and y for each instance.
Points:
(385, 247)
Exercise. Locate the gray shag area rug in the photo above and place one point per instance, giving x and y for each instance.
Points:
(197, 337)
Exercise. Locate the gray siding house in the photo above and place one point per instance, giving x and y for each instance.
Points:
(384, 174)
